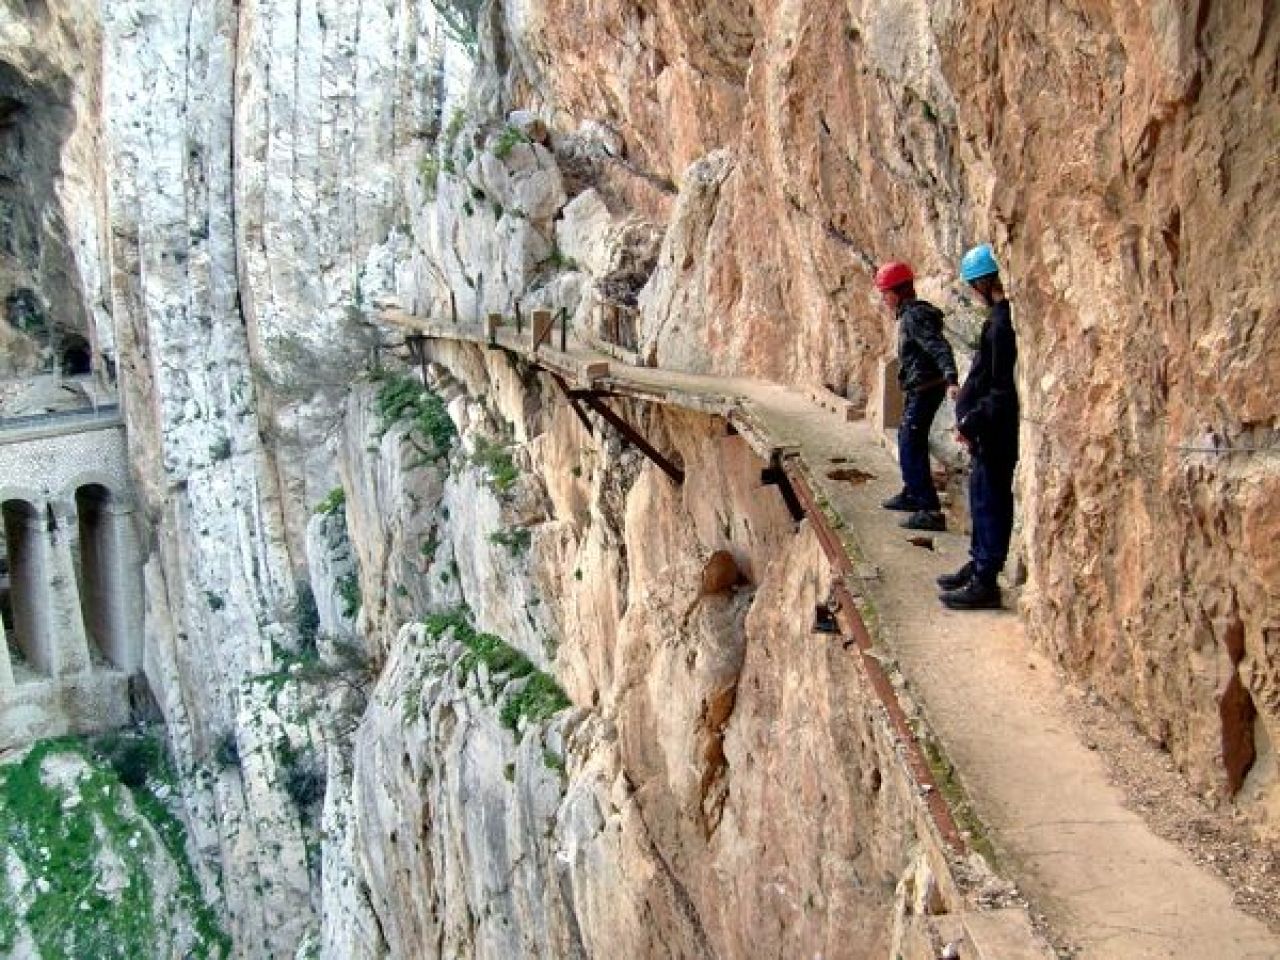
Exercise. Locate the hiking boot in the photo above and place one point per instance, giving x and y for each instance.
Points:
(954, 581)
(902, 501)
(974, 595)
(925, 520)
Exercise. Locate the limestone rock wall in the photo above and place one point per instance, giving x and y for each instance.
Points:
(244, 183)
(725, 785)
(802, 143)
(52, 211)
(254, 157)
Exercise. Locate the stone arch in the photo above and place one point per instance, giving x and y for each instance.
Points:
(26, 599)
(100, 569)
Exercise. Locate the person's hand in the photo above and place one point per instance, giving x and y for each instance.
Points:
(953, 391)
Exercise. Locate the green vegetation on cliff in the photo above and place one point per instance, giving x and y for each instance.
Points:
(94, 861)
(401, 397)
(537, 699)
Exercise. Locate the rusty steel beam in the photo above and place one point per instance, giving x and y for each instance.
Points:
(572, 401)
(854, 627)
(775, 475)
(632, 436)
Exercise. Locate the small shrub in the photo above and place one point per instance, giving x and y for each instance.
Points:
(403, 398)
(539, 699)
(507, 141)
(496, 460)
(553, 761)
(517, 540)
(560, 261)
(429, 173)
(136, 758)
(304, 785)
(457, 120)
(306, 616)
(220, 450)
(226, 750)
(335, 501)
(349, 593)
(214, 601)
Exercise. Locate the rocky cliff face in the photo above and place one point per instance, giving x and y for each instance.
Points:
(389, 772)
(51, 205)
(722, 790)
(1131, 207)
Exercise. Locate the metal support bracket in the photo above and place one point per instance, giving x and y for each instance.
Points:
(774, 475)
(632, 436)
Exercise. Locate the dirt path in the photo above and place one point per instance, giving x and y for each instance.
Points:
(1108, 886)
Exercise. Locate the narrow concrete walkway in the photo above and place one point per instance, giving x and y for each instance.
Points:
(1061, 831)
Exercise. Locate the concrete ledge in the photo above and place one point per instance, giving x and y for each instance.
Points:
(92, 702)
(1002, 935)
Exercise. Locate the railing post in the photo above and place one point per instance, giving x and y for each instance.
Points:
(564, 330)
(519, 320)
(453, 307)
(543, 324)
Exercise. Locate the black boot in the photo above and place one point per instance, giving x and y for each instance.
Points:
(974, 595)
(902, 501)
(954, 581)
(932, 520)
(824, 619)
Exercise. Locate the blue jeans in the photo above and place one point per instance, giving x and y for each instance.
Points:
(913, 445)
(991, 511)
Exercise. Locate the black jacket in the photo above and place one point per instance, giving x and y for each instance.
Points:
(924, 356)
(987, 407)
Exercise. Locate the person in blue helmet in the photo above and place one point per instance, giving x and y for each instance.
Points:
(987, 415)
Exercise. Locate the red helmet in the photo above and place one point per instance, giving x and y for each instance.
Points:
(892, 275)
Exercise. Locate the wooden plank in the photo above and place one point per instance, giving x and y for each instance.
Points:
(543, 323)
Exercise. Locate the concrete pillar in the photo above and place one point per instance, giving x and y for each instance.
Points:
(111, 580)
(27, 536)
(70, 643)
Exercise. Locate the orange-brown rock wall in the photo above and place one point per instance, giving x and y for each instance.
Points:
(1121, 157)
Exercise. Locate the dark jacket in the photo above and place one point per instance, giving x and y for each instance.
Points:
(924, 356)
(987, 407)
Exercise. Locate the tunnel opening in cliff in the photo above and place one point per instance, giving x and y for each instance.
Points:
(39, 280)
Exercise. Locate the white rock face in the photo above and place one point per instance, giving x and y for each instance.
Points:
(256, 155)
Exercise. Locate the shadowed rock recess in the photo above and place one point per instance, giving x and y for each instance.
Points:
(450, 666)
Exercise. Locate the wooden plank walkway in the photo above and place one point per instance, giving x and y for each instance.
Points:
(1058, 827)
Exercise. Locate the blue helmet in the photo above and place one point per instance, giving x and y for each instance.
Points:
(978, 263)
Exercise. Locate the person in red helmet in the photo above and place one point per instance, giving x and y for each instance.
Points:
(927, 373)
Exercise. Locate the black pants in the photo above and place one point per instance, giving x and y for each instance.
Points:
(913, 445)
(991, 511)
